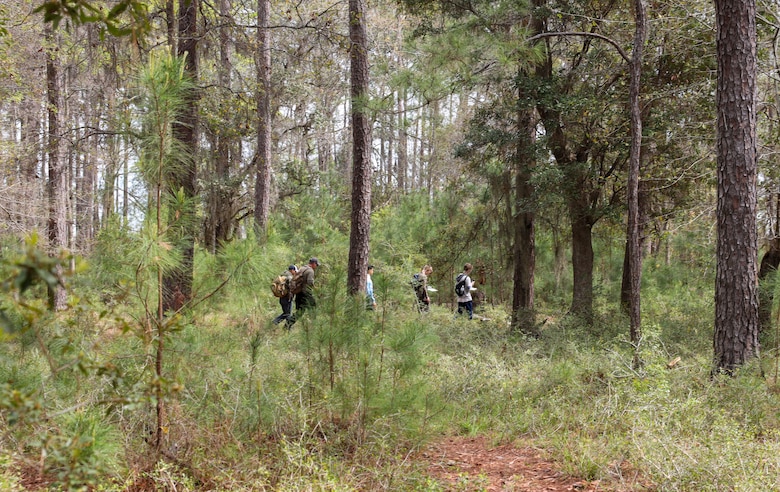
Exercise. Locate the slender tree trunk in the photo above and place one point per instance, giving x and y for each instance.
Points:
(221, 195)
(263, 163)
(170, 25)
(361, 150)
(125, 185)
(633, 239)
(403, 142)
(56, 183)
(524, 252)
(523, 225)
(736, 286)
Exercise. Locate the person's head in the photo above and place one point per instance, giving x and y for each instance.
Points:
(292, 268)
(467, 267)
(314, 262)
(427, 269)
(370, 269)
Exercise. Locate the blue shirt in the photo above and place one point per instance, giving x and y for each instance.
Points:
(370, 289)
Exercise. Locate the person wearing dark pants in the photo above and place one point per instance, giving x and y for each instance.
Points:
(304, 300)
(286, 301)
(465, 302)
(420, 284)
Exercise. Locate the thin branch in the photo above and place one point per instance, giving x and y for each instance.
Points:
(582, 34)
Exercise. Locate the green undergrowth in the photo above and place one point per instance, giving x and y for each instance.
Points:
(346, 398)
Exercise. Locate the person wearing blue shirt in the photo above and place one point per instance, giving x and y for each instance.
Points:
(370, 299)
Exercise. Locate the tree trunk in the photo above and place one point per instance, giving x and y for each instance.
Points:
(524, 253)
(263, 162)
(177, 284)
(633, 239)
(361, 150)
(523, 225)
(219, 228)
(170, 25)
(403, 142)
(581, 258)
(56, 183)
(736, 286)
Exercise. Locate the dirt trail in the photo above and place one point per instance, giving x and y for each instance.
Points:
(473, 464)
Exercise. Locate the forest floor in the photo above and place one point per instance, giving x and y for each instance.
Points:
(473, 464)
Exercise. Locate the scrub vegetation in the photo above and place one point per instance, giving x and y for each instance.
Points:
(345, 399)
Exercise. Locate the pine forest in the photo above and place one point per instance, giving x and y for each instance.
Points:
(231, 235)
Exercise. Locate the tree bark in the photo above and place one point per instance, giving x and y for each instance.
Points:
(736, 286)
(361, 150)
(403, 142)
(177, 284)
(581, 258)
(263, 162)
(523, 316)
(633, 239)
(219, 223)
(56, 182)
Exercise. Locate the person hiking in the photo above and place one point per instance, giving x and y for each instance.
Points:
(304, 296)
(287, 300)
(420, 284)
(370, 299)
(463, 288)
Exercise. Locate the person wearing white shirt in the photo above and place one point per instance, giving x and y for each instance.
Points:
(464, 301)
(370, 299)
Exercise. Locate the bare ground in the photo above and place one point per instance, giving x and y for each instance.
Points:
(473, 464)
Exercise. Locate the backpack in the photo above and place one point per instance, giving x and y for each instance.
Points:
(460, 284)
(298, 281)
(280, 286)
(416, 283)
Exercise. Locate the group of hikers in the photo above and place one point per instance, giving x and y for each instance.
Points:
(299, 285)
(296, 286)
(464, 286)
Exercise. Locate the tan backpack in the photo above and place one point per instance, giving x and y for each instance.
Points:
(280, 286)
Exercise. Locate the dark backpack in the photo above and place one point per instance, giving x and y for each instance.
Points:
(460, 284)
(416, 282)
(280, 286)
(298, 281)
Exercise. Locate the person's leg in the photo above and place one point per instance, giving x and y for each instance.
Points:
(286, 308)
(303, 302)
(470, 308)
(293, 317)
(285, 304)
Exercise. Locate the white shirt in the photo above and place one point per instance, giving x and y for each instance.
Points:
(466, 297)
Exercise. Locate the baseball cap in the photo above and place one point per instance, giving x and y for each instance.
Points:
(315, 261)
